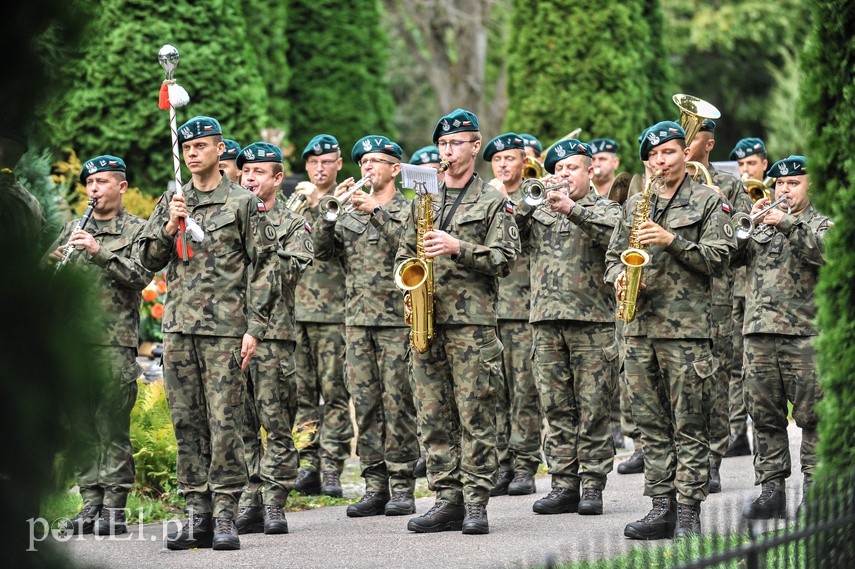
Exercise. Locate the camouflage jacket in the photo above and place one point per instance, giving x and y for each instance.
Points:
(466, 285)
(366, 245)
(295, 254)
(320, 293)
(676, 302)
(228, 286)
(783, 266)
(723, 285)
(569, 259)
(120, 272)
(515, 289)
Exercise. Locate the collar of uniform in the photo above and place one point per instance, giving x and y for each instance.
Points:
(590, 198)
(113, 226)
(217, 196)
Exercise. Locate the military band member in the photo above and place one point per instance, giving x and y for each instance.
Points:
(473, 242)
(427, 156)
(533, 147)
(668, 355)
(784, 254)
(366, 241)
(751, 158)
(320, 340)
(517, 410)
(108, 249)
(228, 160)
(271, 373)
(216, 312)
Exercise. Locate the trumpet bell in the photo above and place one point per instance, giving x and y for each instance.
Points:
(534, 191)
(693, 112)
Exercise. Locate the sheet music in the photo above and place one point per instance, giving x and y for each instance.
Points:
(420, 178)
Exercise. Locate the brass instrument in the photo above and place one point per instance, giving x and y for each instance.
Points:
(743, 223)
(534, 191)
(443, 166)
(332, 206)
(296, 202)
(693, 112)
(635, 257)
(758, 189)
(700, 170)
(90, 207)
(533, 168)
(414, 276)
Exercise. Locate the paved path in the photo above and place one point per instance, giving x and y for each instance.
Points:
(326, 537)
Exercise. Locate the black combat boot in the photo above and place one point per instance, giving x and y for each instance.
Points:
(197, 532)
(371, 504)
(475, 520)
(688, 520)
(420, 470)
(659, 523)
(225, 535)
(331, 486)
(737, 445)
(503, 480)
(633, 465)
(771, 503)
(558, 501)
(250, 520)
(308, 482)
(274, 520)
(401, 504)
(522, 484)
(591, 503)
(443, 516)
(84, 521)
(715, 481)
(111, 522)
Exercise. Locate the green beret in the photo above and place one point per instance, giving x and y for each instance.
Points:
(232, 150)
(747, 147)
(603, 145)
(563, 149)
(458, 120)
(259, 152)
(794, 165)
(707, 126)
(198, 127)
(104, 163)
(320, 145)
(375, 143)
(660, 133)
(532, 142)
(507, 141)
(426, 155)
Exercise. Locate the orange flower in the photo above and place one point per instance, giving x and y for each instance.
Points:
(161, 286)
(149, 294)
(157, 311)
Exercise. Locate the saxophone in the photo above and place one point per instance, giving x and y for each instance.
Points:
(635, 257)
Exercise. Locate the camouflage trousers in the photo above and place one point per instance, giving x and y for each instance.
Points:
(737, 410)
(455, 383)
(270, 404)
(109, 477)
(627, 424)
(575, 367)
(716, 396)
(517, 408)
(319, 359)
(379, 383)
(778, 369)
(205, 389)
(667, 379)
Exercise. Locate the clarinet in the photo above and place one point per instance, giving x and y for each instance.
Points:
(90, 207)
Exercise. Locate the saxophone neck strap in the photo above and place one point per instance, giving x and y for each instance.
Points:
(446, 219)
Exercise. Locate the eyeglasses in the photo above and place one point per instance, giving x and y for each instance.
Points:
(323, 163)
(455, 144)
(375, 161)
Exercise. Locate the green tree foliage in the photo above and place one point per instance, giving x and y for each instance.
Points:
(265, 30)
(113, 105)
(338, 54)
(586, 65)
(33, 173)
(829, 104)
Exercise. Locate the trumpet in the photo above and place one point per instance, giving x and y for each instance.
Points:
(534, 191)
(758, 189)
(90, 207)
(743, 223)
(332, 206)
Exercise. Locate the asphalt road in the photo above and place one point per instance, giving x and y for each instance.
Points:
(326, 537)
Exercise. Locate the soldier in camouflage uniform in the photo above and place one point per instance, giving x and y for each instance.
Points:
(107, 248)
(721, 311)
(271, 373)
(668, 354)
(572, 313)
(473, 242)
(366, 241)
(228, 160)
(784, 254)
(217, 311)
(517, 410)
(320, 341)
(750, 156)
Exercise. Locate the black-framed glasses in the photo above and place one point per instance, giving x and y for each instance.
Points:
(455, 144)
(375, 161)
